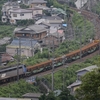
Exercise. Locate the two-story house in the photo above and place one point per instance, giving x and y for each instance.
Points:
(37, 32)
(78, 82)
(5, 9)
(27, 47)
(19, 14)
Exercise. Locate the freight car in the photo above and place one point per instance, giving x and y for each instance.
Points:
(10, 74)
(66, 58)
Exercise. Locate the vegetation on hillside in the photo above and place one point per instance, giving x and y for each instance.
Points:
(65, 95)
(17, 89)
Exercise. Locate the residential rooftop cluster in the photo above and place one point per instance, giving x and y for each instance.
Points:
(46, 29)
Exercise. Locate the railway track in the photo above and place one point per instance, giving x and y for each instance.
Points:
(89, 16)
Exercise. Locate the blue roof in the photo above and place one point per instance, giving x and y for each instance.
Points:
(24, 42)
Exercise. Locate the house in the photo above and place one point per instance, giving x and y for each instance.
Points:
(78, 82)
(5, 9)
(54, 21)
(19, 14)
(33, 3)
(22, 46)
(54, 38)
(36, 32)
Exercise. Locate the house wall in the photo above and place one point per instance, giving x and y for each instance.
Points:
(34, 36)
(50, 40)
(17, 16)
(37, 12)
(24, 52)
(32, 5)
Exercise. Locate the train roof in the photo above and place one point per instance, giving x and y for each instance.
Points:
(6, 74)
(9, 68)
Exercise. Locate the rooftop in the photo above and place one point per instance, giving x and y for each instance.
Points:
(21, 10)
(32, 95)
(90, 68)
(33, 29)
(38, 1)
(77, 83)
(25, 43)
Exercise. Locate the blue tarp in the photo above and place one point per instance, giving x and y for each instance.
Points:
(65, 25)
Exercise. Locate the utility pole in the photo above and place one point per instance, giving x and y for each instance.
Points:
(19, 52)
(31, 46)
(52, 74)
(17, 66)
(63, 61)
(53, 68)
(80, 34)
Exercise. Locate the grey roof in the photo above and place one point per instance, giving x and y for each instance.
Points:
(32, 95)
(25, 43)
(77, 83)
(38, 1)
(1, 98)
(11, 4)
(50, 19)
(42, 7)
(90, 68)
(33, 29)
(21, 11)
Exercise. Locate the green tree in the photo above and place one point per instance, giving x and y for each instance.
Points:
(90, 88)
(65, 95)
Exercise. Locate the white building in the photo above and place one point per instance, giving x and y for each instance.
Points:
(19, 14)
(28, 47)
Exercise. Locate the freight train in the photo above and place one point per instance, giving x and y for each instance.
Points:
(9, 74)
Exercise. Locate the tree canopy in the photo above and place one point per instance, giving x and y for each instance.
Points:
(65, 95)
(90, 87)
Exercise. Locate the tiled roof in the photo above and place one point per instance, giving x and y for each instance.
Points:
(33, 29)
(6, 57)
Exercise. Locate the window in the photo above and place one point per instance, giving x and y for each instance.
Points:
(21, 14)
(37, 35)
(14, 15)
(4, 19)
